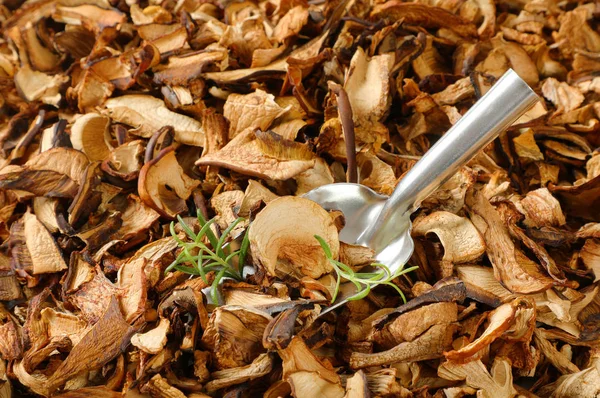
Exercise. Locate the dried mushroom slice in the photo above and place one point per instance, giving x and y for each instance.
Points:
(164, 186)
(125, 161)
(261, 366)
(154, 340)
(45, 254)
(234, 335)
(262, 155)
(498, 382)
(90, 135)
(307, 375)
(461, 240)
(147, 115)
(511, 267)
(253, 111)
(282, 238)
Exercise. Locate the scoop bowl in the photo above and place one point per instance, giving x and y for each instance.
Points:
(383, 223)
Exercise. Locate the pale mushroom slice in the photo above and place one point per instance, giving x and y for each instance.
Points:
(148, 114)
(45, 254)
(234, 335)
(282, 238)
(90, 134)
(461, 240)
(306, 374)
(164, 186)
(125, 161)
(494, 384)
(154, 340)
(261, 366)
(356, 386)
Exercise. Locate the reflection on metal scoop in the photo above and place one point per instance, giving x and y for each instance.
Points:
(383, 223)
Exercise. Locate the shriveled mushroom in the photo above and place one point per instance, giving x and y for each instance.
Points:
(164, 186)
(90, 135)
(461, 240)
(282, 238)
(154, 340)
(496, 383)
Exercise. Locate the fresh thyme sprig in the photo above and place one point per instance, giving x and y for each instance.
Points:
(363, 281)
(198, 258)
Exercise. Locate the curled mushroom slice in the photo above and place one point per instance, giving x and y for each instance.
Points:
(256, 110)
(429, 345)
(42, 248)
(282, 238)
(148, 114)
(154, 340)
(541, 209)
(164, 186)
(306, 374)
(497, 383)
(90, 135)
(461, 240)
(234, 335)
(125, 161)
(500, 320)
(261, 366)
(262, 154)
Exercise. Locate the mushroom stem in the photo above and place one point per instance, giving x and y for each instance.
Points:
(28, 137)
(345, 112)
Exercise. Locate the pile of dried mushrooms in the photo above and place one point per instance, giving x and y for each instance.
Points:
(119, 115)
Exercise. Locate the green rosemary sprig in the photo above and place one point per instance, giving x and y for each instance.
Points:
(363, 281)
(199, 258)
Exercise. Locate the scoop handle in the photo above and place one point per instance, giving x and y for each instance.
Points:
(497, 110)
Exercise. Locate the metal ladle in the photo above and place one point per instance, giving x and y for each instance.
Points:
(383, 223)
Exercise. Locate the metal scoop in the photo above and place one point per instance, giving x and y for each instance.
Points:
(383, 223)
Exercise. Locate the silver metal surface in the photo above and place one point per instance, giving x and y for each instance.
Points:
(383, 223)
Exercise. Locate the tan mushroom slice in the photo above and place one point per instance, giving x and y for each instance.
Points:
(461, 240)
(590, 256)
(103, 342)
(262, 154)
(11, 339)
(313, 178)
(368, 87)
(425, 16)
(500, 320)
(154, 340)
(541, 209)
(563, 96)
(42, 248)
(147, 115)
(307, 375)
(375, 173)
(125, 161)
(63, 324)
(255, 195)
(429, 345)
(132, 280)
(282, 238)
(581, 384)
(33, 85)
(90, 135)
(494, 384)
(164, 186)
(9, 285)
(482, 285)
(234, 335)
(89, 15)
(180, 70)
(261, 366)
(410, 325)
(526, 147)
(257, 110)
(511, 267)
(356, 386)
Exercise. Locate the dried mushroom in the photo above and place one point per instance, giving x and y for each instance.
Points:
(289, 248)
(154, 238)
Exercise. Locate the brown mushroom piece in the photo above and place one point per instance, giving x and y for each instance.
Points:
(261, 366)
(147, 115)
(498, 382)
(90, 135)
(282, 238)
(164, 186)
(234, 335)
(461, 240)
